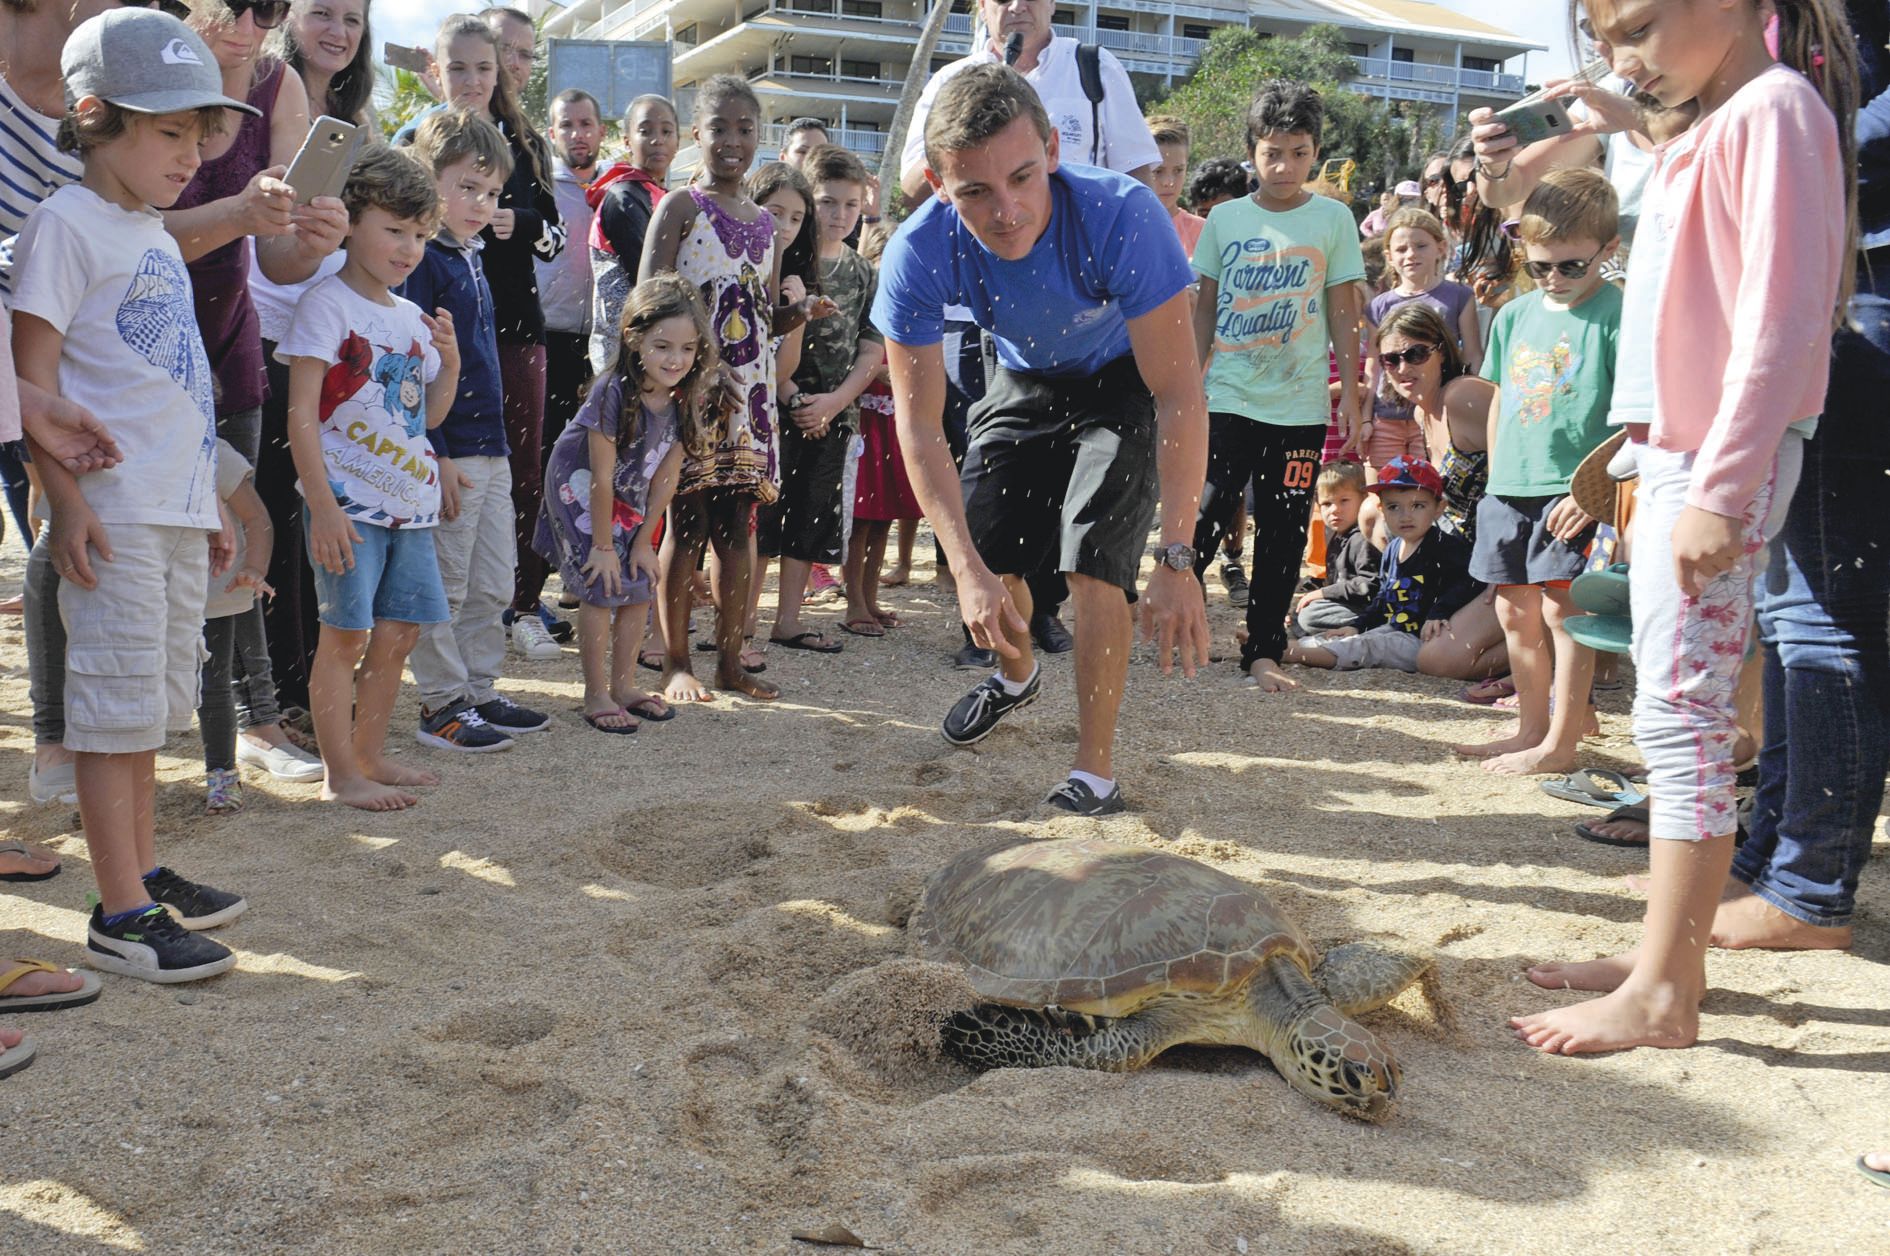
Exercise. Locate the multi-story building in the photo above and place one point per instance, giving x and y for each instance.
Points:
(846, 61)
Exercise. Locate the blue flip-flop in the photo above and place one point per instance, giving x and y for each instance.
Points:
(1879, 1176)
(1595, 787)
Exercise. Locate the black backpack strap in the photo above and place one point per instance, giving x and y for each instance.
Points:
(1089, 69)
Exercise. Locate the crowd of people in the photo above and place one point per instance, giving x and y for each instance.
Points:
(286, 448)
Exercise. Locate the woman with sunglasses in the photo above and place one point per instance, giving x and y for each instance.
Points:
(238, 193)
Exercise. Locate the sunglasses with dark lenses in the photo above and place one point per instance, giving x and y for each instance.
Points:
(267, 14)
(175, 8)
(1416, 355)
(1439, 177)
(1568, 270)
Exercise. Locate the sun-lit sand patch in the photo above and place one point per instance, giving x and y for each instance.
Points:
(279, 964)
(375, 843)
(474, 866)
(605, 892)
(815, 909)
(62, 1208)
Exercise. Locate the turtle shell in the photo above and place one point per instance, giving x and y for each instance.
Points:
(1099, 927)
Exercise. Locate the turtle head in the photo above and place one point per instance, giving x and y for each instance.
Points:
(1338, 1062)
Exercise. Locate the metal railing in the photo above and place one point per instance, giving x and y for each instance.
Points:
(1449, 76)
(782, 72)
(861, 143)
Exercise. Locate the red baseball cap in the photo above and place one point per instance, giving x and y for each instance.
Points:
(1409, 473)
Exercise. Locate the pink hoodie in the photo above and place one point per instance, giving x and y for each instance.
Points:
(1742, 338)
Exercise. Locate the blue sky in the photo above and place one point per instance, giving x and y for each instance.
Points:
(415, 21)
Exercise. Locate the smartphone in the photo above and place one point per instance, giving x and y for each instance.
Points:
(1532, 121)
(402, 57)
(327, 154)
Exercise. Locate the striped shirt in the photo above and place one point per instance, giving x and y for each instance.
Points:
(31, 169)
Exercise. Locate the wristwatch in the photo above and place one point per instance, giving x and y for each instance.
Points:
(1179, 556)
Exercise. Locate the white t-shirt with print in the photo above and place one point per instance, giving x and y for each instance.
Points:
(380, 360)
(1126, 143)
(112, 282)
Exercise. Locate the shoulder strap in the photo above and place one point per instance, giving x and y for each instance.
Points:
(1089, 70)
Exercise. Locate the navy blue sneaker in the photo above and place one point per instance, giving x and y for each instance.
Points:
(973, 717)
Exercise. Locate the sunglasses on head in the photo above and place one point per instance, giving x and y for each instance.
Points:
(175, 8)
(267, 14)
(1416, 355)
(1568, 270)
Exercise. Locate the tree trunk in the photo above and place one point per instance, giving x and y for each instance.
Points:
(916, 79)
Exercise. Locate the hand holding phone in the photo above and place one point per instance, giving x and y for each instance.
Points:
(1532, 121)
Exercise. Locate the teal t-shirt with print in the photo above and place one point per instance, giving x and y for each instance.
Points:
(1556, 372)
(1272, 269)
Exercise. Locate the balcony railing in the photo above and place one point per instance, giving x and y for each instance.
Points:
(852, 80)
(1445, 76)
(860, 143)
(1177, 46)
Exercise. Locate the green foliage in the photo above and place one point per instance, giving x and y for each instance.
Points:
(399, 98)
(1388, 139)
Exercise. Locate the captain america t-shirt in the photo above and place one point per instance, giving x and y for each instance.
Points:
(1272, 269)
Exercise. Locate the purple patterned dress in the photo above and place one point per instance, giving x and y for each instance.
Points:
(729, 262)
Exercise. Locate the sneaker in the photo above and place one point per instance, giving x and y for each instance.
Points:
(532, 640)
(457, 726)
(1236, 581)
(974, 658)
(152, 947)
(1050, 634)
(1077, 798)
(285, 763)
(193, 906)
(979, 711)
(562, 630)
(223, 792)
(508, 716)
(820, 580)
(55, 785)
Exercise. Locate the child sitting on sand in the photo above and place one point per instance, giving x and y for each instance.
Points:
(1352, 561)
(618, 461)
(1423, 579)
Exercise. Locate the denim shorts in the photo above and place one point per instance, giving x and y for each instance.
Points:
(396, 575)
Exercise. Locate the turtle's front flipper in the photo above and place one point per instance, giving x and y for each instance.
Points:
(1359, 977)
(994, 1036)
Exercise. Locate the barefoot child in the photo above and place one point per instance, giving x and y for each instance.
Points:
(720, 241)
(618, 461)
(1552, 357)
(103, 319)
(1743, 252)
(368, 375)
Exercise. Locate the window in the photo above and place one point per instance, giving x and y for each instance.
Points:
(1195, 30)
(862, 8)
(860, 69)
(1489, 65)
(810, 65)
(1359, 50)
(1063, 17)
(1403, 54)
(812, 6)
(687, 35)
(1111, 22)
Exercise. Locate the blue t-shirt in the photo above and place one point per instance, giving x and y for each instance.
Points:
(1109, 254)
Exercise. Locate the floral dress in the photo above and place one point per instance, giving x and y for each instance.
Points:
(729, 262)
(565, 526)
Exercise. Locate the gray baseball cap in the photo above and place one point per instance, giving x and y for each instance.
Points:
(145, 61)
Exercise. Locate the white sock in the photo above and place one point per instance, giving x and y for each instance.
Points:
(1097, 785)
(1015, 688)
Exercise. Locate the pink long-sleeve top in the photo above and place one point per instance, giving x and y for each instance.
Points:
(1742, 337)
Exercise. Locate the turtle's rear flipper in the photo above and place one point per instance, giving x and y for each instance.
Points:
(994, 1036)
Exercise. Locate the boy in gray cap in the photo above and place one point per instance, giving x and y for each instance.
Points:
(103, 317)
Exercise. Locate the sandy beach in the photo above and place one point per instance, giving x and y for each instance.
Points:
(656, 994)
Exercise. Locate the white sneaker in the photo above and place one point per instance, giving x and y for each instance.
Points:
(55, 785)
(532, 640)
(285, 763)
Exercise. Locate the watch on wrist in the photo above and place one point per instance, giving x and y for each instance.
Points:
(1179, 556)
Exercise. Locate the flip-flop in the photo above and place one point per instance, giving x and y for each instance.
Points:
(1595, 787)
(888, 620)
(21, 848)
(1879, 1176)
(1635, 811)
(591, 719)
(18, 1058)
(89, 988)
(864, 627)
(1487, 692)
(648, 710)
(813, 641)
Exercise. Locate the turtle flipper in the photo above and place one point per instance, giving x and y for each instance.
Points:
(1360, 977)
(994, 1036)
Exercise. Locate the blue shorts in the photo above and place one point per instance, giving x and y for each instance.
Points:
(396, 575)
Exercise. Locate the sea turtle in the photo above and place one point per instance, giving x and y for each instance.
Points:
(1103, 955)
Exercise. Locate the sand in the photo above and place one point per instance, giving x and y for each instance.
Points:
(655, 994)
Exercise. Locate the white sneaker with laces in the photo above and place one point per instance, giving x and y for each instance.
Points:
(55, 785)
(285, 763)
(532, 640)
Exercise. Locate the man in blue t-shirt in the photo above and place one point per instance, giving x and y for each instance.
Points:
(1078, 276)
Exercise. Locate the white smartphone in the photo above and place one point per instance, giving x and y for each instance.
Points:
(327, 154)
(1531, 121)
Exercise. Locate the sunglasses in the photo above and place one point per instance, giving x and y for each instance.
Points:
(1437, 178)
(1416, 355)
(1568, 270)
(174, 8)
(267, 14)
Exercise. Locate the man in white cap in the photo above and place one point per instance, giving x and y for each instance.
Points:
(103, 317)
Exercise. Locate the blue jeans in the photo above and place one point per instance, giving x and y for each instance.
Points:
(1823, 606)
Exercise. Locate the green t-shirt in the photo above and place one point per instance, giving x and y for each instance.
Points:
(1270, 340)
(1556, 371)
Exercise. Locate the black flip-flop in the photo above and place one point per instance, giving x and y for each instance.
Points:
(20, 848)
(1879, 1176)
(605, 728)
(647, 710)
(864, 628)
(813, 641)
(1633, 811)
(1595, 787)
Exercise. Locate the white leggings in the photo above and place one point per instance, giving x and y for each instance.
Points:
(1688, 651)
